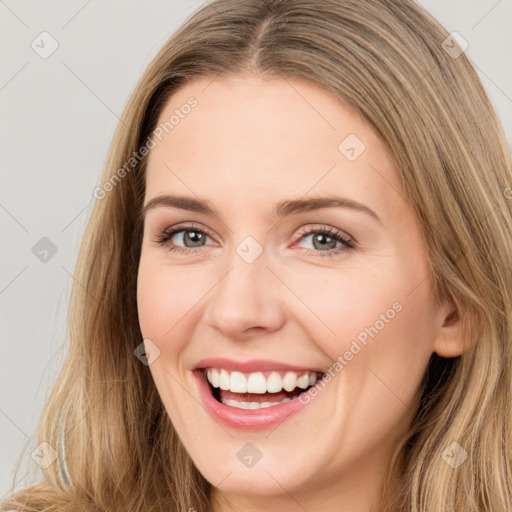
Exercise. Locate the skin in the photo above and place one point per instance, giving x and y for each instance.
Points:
(247, 145)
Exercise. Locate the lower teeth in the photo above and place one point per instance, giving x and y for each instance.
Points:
(252, 405)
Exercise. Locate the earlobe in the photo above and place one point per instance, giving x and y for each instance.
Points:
(451, 339)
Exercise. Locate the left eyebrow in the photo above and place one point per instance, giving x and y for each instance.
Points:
(181, 202)
(316, 203)
(282, 209)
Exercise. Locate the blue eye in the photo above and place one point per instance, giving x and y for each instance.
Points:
(325, 237)
(322, 238)
(191, 235)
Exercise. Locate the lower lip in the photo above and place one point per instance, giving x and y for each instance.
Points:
(246, 419)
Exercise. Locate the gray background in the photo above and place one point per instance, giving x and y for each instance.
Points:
(57, 119)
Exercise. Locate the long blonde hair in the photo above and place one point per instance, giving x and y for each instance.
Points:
(389, 59)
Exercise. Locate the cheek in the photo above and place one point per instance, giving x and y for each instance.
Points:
(345, 305)
(152, 301)
(164, 298)
(380, 320)
(380, 350)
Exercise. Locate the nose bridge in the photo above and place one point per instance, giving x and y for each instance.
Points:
(244, 296)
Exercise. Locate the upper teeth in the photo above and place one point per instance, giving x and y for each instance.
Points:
(259, 382)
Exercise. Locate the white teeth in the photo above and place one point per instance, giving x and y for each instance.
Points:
(214, 377)
(274, 383)
(303, 382)
(237, 382)
(224, 380)
(256, 383)
(289, 381)
(252, 405)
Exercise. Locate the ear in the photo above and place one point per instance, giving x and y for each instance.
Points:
(451, 339)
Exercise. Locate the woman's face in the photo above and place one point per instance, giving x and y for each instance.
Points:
(277, 286)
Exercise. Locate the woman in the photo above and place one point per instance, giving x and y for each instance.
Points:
(218, 359)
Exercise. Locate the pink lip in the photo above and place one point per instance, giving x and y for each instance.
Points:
(254, 365)
(245, 419)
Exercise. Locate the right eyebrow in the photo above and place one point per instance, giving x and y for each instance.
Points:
(181, 202)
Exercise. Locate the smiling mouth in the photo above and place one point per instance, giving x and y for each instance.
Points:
(258, 390)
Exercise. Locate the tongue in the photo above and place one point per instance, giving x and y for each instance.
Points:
(260, 397)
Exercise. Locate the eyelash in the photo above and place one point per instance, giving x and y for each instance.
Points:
(345, 240)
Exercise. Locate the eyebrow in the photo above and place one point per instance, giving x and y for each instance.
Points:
(282, 209)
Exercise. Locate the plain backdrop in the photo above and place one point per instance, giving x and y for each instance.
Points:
(57, 117)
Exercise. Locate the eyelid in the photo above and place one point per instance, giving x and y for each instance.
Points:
(325, 228)
(183, 226)
(347, 241)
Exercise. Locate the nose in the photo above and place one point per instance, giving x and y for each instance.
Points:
(247, 300)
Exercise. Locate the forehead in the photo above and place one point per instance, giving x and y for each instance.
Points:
(266, 139)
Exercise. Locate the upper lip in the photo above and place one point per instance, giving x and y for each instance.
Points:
(252, 365)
